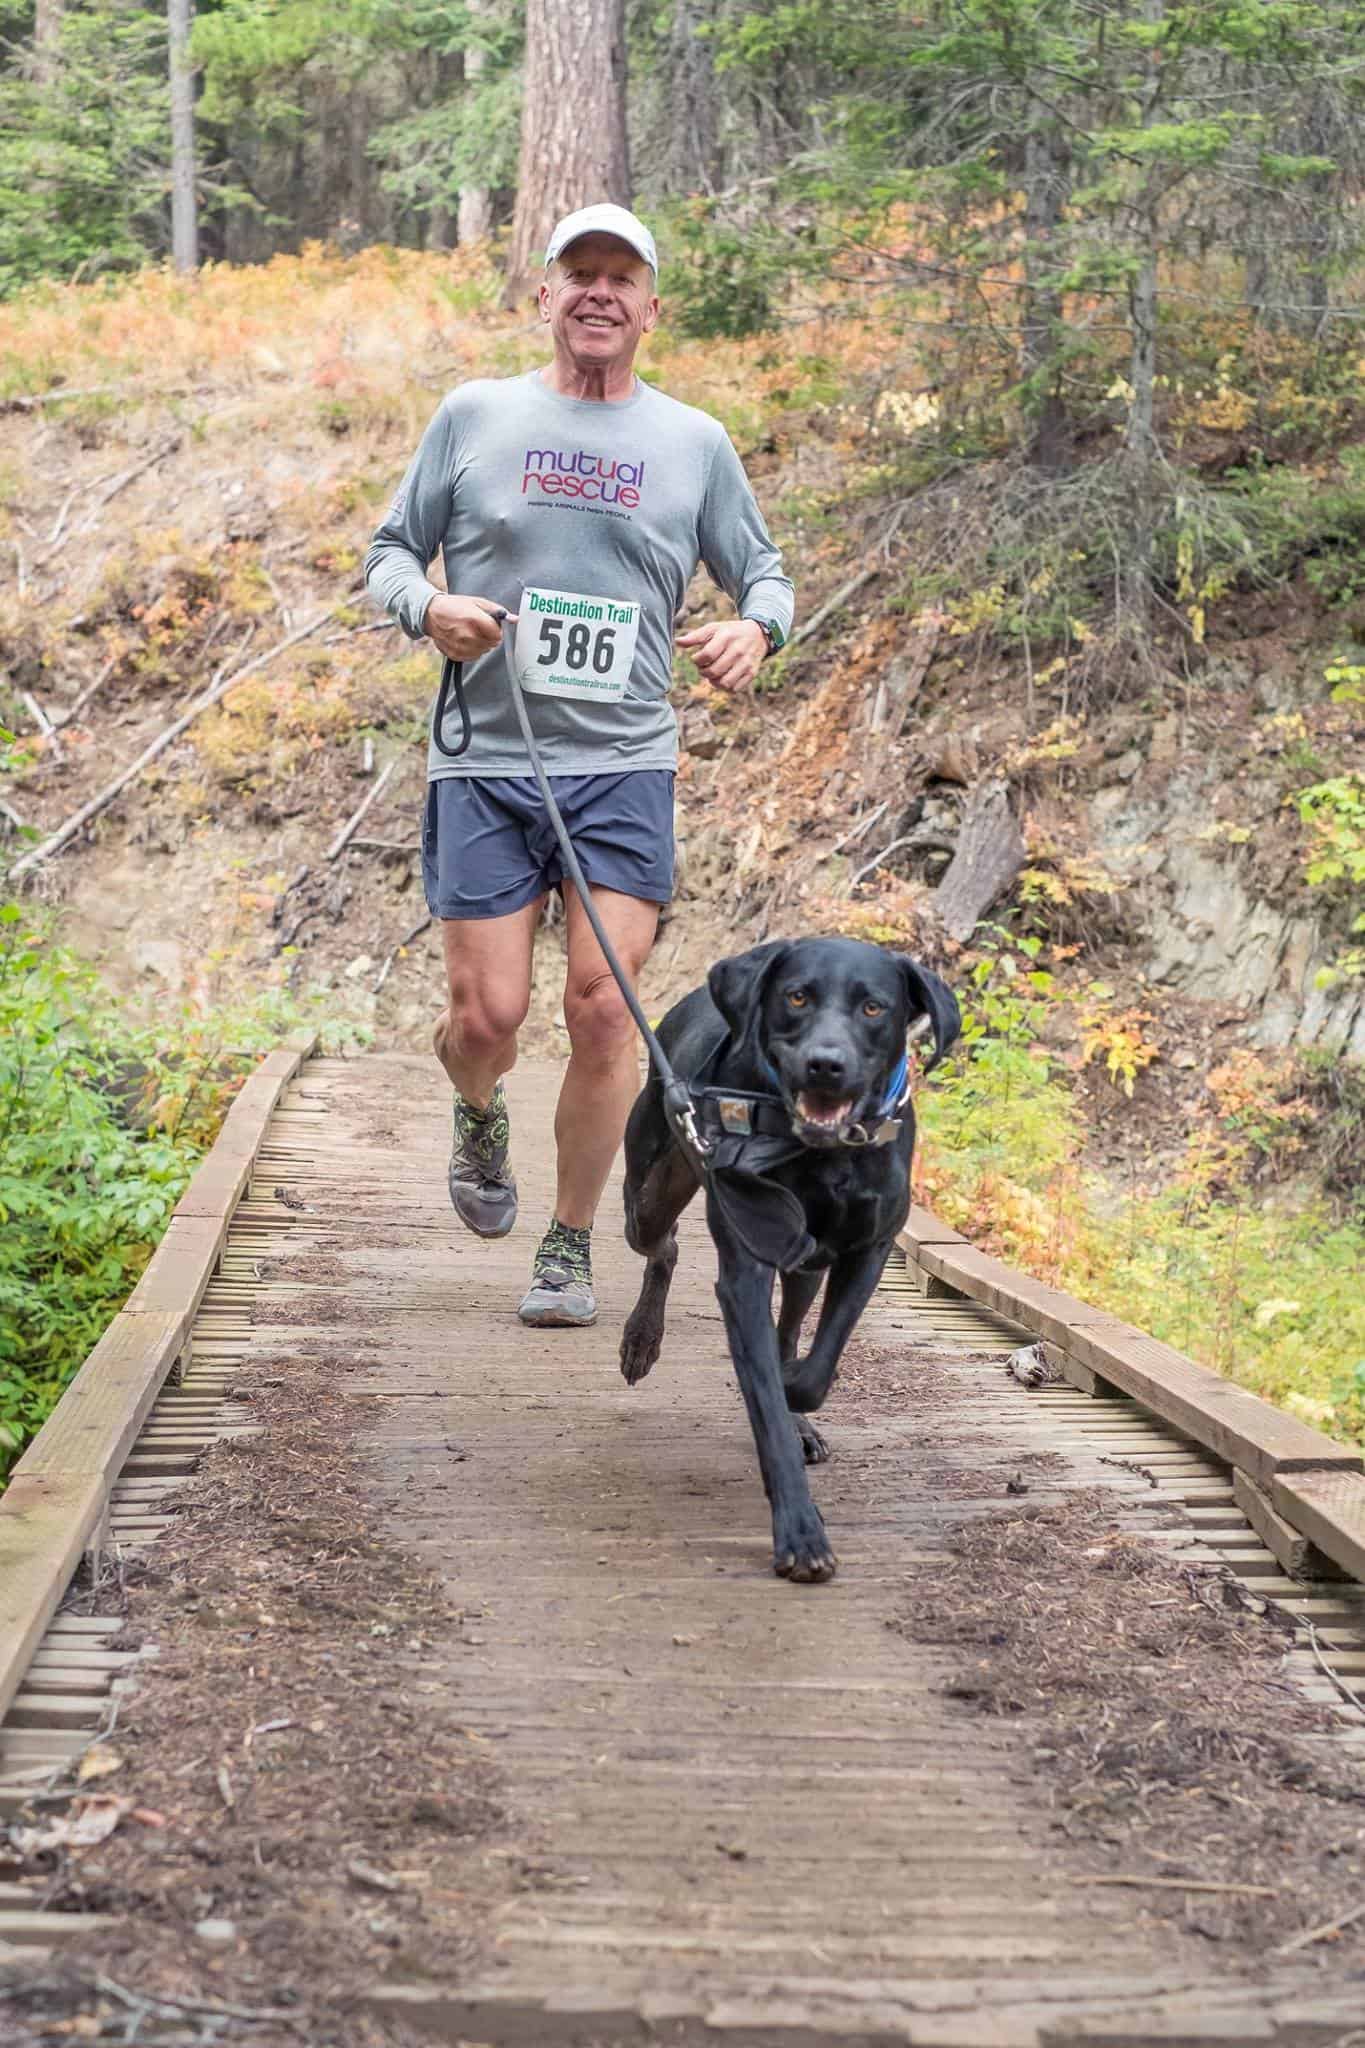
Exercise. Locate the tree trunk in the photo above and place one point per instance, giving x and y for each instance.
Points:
(1046, 185)
(47, 37)
(475, 214)
(356, 227)
(1141, 448)
(690, 163)
(573, 122)
(184, 212)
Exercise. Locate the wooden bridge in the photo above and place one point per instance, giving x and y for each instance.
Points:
(763, 1813)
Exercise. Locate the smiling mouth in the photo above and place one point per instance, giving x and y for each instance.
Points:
(595, 320)
(823, 1112)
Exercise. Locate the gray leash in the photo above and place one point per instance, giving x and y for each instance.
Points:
(679, 1107)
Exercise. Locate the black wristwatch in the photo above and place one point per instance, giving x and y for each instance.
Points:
(772, 633)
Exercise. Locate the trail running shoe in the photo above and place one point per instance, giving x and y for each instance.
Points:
(561, 1281)
(482, 1190)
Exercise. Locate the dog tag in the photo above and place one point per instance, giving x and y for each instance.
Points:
(734, 1116)
(570, 646)
(858, 1135)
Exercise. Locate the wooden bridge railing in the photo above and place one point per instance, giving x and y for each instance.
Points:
(54, 1508)
(1295, 1485)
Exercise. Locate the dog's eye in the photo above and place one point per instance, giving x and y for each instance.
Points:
(871, 1009)
(797, 998)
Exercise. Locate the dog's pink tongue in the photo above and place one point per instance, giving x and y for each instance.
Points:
(816, 1111)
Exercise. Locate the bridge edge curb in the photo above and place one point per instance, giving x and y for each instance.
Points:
(59, 1490)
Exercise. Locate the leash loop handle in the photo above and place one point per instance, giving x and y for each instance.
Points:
(452, 678)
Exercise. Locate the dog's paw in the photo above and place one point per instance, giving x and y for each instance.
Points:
(814, 1447)
(801, 1549)
(641, 1343)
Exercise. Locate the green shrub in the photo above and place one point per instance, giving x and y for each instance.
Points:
(98, 1137)
(101, 1123)
(1334, 812)
(1267, 1292)
(723, 280)
(1300, 520)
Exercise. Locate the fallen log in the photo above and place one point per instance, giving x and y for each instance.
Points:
(900, 682)
(990, 852)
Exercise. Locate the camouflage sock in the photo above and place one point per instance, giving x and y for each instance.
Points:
(484, 1135)
(566, 1248)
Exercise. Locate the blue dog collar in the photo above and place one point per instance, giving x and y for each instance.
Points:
(897, 1089)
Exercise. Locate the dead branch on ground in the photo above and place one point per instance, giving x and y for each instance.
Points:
(167, 737)
(359, 814)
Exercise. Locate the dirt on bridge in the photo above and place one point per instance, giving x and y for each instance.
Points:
(478, 1714)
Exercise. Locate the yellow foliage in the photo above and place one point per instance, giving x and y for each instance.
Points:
(906, 411)
(896, 918)
(1118, 1037)
(980, 608)
(270, 724)
(336, 555)
(246, 588)
(1057, 742)
(1225, 410)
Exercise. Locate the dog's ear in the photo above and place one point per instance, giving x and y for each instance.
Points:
(929, 997)
(735, 985)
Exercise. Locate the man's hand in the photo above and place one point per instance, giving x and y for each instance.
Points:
(465, 627)
(729, 653)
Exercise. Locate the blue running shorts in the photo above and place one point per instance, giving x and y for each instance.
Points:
(488, 847)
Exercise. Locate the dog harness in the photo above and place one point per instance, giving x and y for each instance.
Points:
(749, 1135)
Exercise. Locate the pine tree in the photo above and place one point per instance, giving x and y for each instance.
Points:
(573, 121)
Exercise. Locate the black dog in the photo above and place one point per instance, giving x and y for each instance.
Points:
(801, 1046)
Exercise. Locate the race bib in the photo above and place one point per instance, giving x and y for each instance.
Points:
(569, 646)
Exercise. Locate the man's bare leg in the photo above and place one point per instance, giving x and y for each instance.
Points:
(488, 992)
(603, 1075)
(488, 980)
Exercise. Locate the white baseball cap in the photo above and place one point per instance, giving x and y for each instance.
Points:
(604, 219)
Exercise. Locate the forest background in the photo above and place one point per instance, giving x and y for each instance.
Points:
(1038, 325)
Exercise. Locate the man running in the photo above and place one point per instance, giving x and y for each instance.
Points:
(580, 501)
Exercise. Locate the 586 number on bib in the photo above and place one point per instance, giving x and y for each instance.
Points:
(578, 647)
(571, 646)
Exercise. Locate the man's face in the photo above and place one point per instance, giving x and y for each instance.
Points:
(598, 299)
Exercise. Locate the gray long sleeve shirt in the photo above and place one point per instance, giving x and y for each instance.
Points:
(519, 487)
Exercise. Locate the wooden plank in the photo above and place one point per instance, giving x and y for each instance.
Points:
(923, 1227)
(72, 1659)
(59, 1491)
(1046, 1310)
(54, 1710)
(1329, 1507)
(46, 1678)
(45, 1523)
(180, 1269)
(1239, 1427)
(1249, 1433)
(88, 1625)
(1292, 1550)
(27, 1930)
(223, 1176)
(1077, 1374)
(96, 1422)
